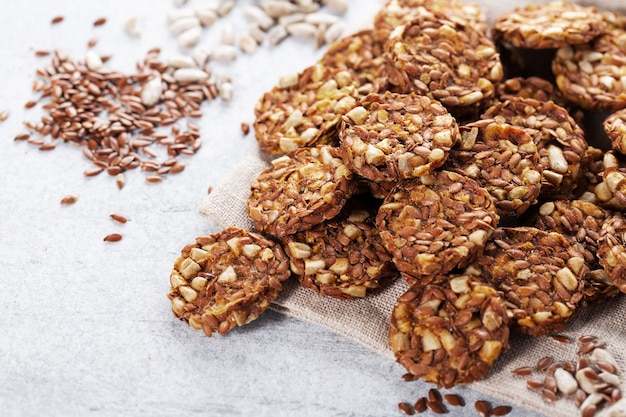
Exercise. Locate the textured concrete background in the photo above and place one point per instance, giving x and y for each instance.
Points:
(85, 326)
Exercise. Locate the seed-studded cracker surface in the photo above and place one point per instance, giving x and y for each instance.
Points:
(436, 223)
(611, 192)
(615, 128)
(449, 332)
(612, 250)
(398, 12)
(504, 160)
(591, 75)
(581, 223)
(362, 56)
(300, 189)
(444, 59)
(304, 110)
(538, 89)
(551, 25)
(540, 274)
(396, 136)
(342, 257)
(560, 141)
(226, 279)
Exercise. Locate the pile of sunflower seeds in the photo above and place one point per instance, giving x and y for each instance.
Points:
(269, 21)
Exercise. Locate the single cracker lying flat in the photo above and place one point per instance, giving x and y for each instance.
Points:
(226, 279)
(449, 332)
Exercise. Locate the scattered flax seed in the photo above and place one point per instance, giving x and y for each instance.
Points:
(245, 128)
(4, 114)
(30, 104)
(501, 410)
(543, 363)
(210, 189)
(560, 338)
(434, 395)
(436, 407)
(523, 371)
(420, 405)
(406, 409)
(154, 178)
(119, 218)
(454, 400)
(482, 407)
(48, 146)
(113, 237)
(92, 42)
(22, 136)
(42, 53)
(100, 21)
(69, 199)
(56, 19)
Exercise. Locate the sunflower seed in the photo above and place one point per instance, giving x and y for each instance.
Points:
(189, 37)
(225, 53)
(565, 381)
(131, 27)
(206, 16)
(248, 43)
(189, 75)
(180, 61)
(257, 15)
(93, 60)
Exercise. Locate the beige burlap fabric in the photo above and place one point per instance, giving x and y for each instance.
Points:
(367, 320)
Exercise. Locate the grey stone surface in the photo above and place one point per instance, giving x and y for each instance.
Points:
(85, 325)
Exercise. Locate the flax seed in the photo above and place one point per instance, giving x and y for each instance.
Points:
(420, 405)
(119, 218)
(100, 21)
(501, 410)
(21, 136)
(245, 128)
(30, 104)
(69, 199)
(406, 409)
(57, 19)
(113, 237)
(523, 371)
(482, 407)
(436, 407)
(454, 400)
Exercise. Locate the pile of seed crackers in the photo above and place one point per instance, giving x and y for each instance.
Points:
(428, 149)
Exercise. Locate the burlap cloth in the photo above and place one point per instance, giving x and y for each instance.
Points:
(367, 320)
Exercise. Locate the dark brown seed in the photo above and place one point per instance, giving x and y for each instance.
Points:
(420, 405)
(69, 199)
(560, 338)
(586, 347)
(113, 237)
(544, 362)
(100, 21)
(534, 383)
(406, 409)
(587, 339)
(57, 19)
(589, 411)
(436, 407)
(210, 189)
(454, 400)
(550, 383)
(119, 218)
(30, 104)
(616, 395)
(501, 410)
(548, 396)
(92, 42)
(482, 407)
(434, 395)
(42, 53)
(523, 371)
(22, 136)
(553, 367)
(606, 367)
(245, 128)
